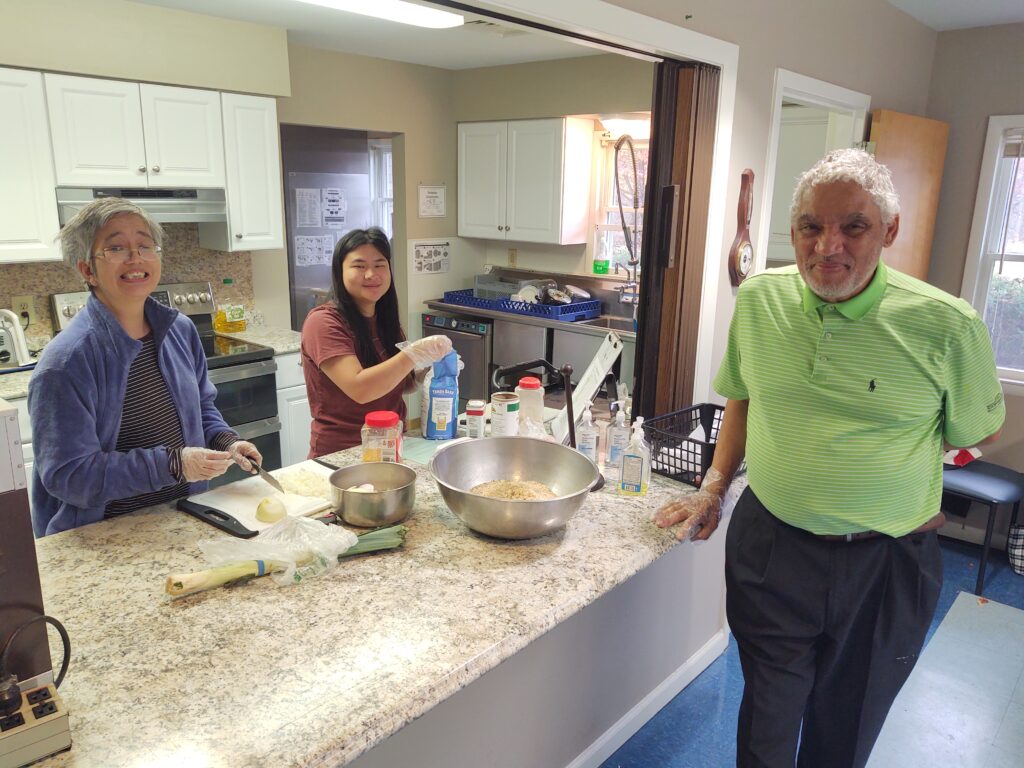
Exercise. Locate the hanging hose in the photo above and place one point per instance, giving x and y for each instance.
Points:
(628, 236)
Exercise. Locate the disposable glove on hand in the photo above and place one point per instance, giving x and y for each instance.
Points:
(203, 463)
(244, 453)
(428, 350)
(698, 513)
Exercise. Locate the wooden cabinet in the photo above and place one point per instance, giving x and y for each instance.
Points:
(525, 180)
(253, 161)
(28, 206)
(118, 134)
(914, 150)
(292, 409)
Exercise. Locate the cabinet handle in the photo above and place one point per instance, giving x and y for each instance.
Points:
(506, 227)
(142, 169)
(499, 227)
(238, 235)
(156, 169)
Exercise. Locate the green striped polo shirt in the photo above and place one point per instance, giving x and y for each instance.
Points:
(850, 402)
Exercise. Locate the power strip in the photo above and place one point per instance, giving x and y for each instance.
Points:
(37, 730)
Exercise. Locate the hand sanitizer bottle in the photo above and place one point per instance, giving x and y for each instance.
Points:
(618, 439)
(586, 436)
(635, 475)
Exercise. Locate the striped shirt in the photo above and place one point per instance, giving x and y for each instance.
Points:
(850, 402)
(148, 420)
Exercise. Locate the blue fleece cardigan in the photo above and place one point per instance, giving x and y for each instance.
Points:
(75, 400)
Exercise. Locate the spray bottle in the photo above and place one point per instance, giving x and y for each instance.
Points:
(586, 436)
(635, 475)
(618, 439)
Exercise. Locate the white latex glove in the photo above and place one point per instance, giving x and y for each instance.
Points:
(241, 451)
(428, 350)
(203, 463)
(699, 513)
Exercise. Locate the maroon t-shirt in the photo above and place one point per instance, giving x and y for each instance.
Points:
(337, 418)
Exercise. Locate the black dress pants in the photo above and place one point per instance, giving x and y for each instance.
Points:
(827, 631)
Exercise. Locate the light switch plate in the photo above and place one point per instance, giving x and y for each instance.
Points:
(23, 305)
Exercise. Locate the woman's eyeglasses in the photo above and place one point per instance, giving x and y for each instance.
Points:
(119, 254)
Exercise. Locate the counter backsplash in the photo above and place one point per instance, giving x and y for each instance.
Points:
(184, 261)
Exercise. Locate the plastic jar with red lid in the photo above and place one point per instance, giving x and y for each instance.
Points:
(382, 436)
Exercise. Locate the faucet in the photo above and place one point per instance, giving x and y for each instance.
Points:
(629, 292)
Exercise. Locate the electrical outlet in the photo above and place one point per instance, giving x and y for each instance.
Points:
(512, 254)
(22, 306)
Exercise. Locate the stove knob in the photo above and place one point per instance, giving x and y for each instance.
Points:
(454, 324)
(192, 298)
(179, 299)
(68, 311)
(204, 297)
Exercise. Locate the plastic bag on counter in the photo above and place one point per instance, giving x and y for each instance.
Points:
(306, 547)
(439, 406)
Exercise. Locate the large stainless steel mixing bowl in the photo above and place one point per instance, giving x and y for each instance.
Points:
(463, 464)
(390, 502)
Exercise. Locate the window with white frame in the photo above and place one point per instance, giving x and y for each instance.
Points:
(609, 238)
(382, 204)
(994, 273)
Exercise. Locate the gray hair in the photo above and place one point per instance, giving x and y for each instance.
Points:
(854, 165)
(78, 235)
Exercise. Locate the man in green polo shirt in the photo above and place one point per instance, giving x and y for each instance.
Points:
(845, 379)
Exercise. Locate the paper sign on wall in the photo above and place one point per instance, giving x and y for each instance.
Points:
(313, 249)
(432, 201)
(431, 258)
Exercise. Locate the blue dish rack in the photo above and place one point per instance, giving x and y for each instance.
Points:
(578, 310)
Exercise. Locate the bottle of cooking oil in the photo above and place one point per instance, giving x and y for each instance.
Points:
(635, 474)
(230, 315)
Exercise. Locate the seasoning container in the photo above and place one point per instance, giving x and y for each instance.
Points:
(504, 414)
(531, 401)
(475, 418)
(382, 437)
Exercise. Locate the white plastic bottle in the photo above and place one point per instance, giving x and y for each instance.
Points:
(635, 472)
(586, 436)
(531, 404)
(618, 439)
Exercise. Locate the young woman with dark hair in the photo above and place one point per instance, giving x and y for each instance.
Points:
(349, 358)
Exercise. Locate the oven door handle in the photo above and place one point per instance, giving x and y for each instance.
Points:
(239, 372)
(259, 428)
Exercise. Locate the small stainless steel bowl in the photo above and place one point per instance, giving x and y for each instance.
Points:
(390, 502)
(464, 464)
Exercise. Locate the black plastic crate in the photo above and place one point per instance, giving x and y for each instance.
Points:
(677, 455)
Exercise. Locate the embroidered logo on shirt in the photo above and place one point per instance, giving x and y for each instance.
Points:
(872, 386)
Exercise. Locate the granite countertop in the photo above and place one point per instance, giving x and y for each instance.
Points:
(282, 340)
(317, 673)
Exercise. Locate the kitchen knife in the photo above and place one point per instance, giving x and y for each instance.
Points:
(216, 518)
(268, 477)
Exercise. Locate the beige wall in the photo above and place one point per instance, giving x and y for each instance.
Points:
(131, 41)
(977, 73)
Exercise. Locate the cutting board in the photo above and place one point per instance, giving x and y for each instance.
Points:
(240, 498)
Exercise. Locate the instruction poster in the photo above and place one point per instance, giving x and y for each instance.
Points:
(307, 208)
(335, 208)
(313, 249)
(431, 258)
(432, 201)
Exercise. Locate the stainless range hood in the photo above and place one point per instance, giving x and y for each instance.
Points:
(167, 206)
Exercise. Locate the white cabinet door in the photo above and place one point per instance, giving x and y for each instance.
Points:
(293, 410)
(96, 129)
(252, 155)
(534, 180)
(184, 137)
(28, 206)
(482, 179)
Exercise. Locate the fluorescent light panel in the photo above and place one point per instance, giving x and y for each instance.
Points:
(394, 10)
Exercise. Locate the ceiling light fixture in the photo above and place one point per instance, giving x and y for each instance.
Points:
(394, 10)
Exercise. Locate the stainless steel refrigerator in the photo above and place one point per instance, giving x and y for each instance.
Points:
(327, 194)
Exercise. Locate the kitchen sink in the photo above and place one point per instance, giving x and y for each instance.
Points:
(611, 322)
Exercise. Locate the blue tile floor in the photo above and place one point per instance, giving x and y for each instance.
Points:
(963, 705)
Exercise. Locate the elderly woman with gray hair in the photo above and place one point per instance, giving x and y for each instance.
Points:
(121, 406)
